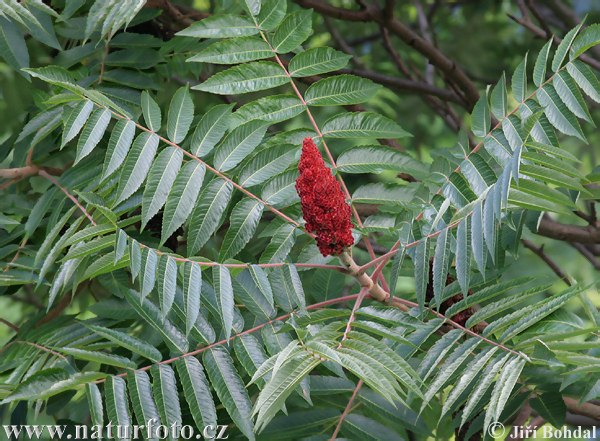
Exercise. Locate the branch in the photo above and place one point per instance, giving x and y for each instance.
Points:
(539, 251)
(548, 227)
(589, 410)
(346, 411)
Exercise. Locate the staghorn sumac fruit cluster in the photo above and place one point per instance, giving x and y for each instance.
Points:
(324, 207)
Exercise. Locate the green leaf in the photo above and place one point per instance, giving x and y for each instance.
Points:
(210, 129)
(381, 194)
(588, 38)
(519, 81)
(160, 181)
(421, 264)
(249, 77)
(48, 382)
(224, 293)
(117, 408)
(551, 407)
(281, 244)
(238, 144)
(252, 288)
(504, 386)
(76, 120)
(151, 111)
(243, 223)
(94, 398)
(376, 158)
(340, 90)
(266, 164)
(283, 382)
(480, 118)
(281, 190)
(477, 242)
(151, 314)
(118, 146)
(182, 198)
(220, 26)
(273, 109)
(289, 293)
(180, 116)
(233, 51)
(570, 94)
(208, 213)
(136, 166)
(362, 125)
(463, 255)
(585, 78)
(316, 61)
(167, 283)
(563, 48)
(12, 46)
(140, 391)
(92, 133)
(441, 263)
(498, 98)
(148, 270)
(230, 389)
(127, 341)
(539, 69)
(361, 427)
(197, 391)
(292, 32)
(192, 284)
(99, 357)
(271, 14)
(165, 393)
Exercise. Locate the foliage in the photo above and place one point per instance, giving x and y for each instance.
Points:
(167, 253)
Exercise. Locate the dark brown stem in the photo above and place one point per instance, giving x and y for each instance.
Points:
(539, 251)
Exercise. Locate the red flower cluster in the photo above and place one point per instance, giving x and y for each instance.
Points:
(323, 204)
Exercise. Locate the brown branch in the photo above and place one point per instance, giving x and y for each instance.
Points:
(346, 411)
(585, 252)
(539, 251)
(548, 227)
(52, 179)
(9, 324)
(589, 410)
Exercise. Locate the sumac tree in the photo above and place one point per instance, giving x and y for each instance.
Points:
(158, 261)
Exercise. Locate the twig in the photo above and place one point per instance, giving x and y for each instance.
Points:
(346, 411)
(539, 251)
(585, 252)
(52, 179)
(9, 324)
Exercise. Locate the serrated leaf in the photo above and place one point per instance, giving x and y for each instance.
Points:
(292, 32)
(98, 357)
(249, 77)
(197, 391)
(273, 109)
(160, 181)
(441, 262)
(375, 159)
(118, 146)
(180, 116)
(242, 226)
(558, 114)
(498, 98)
(233, 51)
(316, 61)
(254, 291)
(563, 48)
(148, 271)
(340, 90)
(117, 407)
(192, 284)
(76, 120)
(585, 78)
(208, 213)
(167, 283)
(127, 341)
(421, 264)
(362, 125)
(539, 69)
(224, 293)
(140, 391)
(182, 198)
(266, 164)
(210, 129)
(136, 166)
(238, 144)
(220, 26)
(164, 388)
(230, 389)
(151, 111)
(519, 81)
